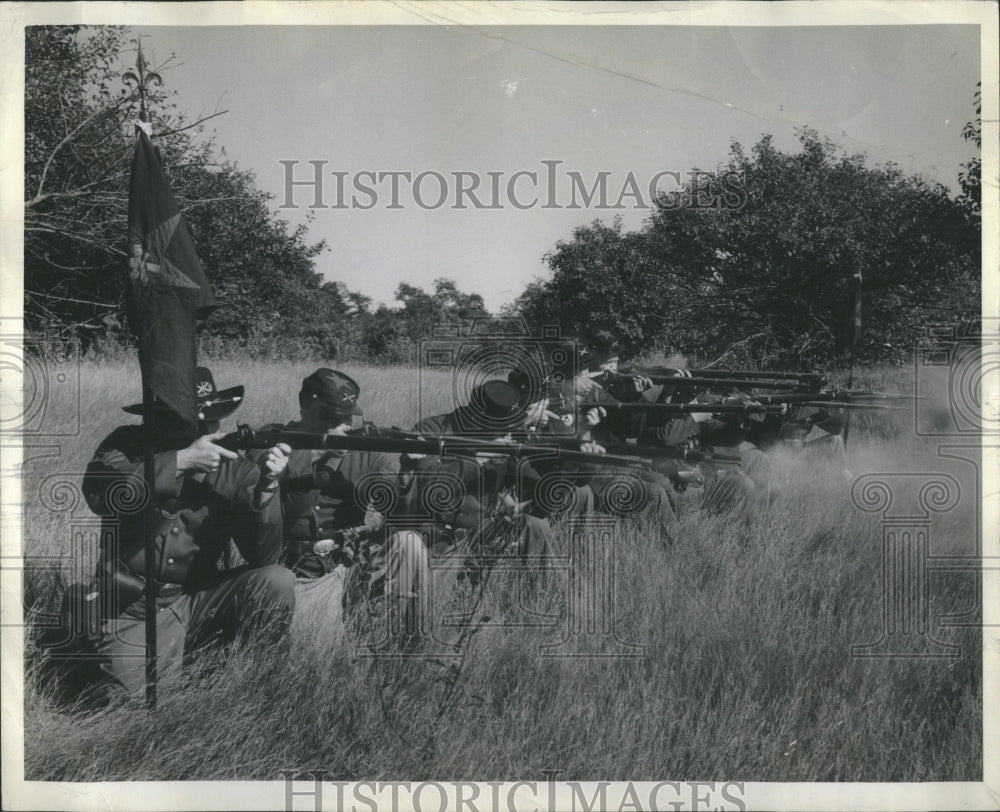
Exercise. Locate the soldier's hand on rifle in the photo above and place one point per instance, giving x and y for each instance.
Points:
(642, 383)
(595, 415)
(756, 417)
(203, 455)
(337, 431)
(537, 414)
(412, 456)
(274, 463)
(591, 448)
(701, 417)
(324, 547)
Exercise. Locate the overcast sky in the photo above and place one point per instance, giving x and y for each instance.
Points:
(638, 100)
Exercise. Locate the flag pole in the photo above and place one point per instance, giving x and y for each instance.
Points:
(141, 77)
(855, 336)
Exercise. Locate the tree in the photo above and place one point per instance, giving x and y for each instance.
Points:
(769, 281)
(971, 175)
(394, 334)
(78, 144)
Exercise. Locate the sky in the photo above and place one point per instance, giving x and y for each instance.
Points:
(502, 100)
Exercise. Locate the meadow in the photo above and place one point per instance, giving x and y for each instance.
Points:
(747, 671)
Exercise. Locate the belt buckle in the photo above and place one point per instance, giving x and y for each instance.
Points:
(168, 590)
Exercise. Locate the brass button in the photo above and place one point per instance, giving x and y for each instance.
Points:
(175, 529)
(170, 561)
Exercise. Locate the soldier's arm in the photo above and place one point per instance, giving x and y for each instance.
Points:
(119, 457)
(257, 515)
(675, 431)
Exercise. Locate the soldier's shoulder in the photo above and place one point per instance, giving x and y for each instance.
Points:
(123, 438)
(289, 426)
(434, 424)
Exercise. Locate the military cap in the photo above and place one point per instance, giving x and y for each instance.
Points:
(336, 392)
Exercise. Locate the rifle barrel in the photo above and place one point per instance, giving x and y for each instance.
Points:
(735, 374)
(685, 382)
(851, 405)
(842, 395)
(692, 408)
(562, 448)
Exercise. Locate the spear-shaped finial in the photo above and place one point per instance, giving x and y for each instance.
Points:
(141, 79)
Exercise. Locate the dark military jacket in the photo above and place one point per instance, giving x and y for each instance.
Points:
(197, 515)
(471, 487)
(317, 502)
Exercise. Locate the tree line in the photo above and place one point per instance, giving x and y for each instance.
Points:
(767, 283)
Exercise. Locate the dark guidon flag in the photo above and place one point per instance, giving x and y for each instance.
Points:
(168, 290)
(851, 327)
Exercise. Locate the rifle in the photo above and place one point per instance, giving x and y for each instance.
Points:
(691, 382)
(690, 408)
(563, 448)
(734, 374)
(568, 449)
(824, 404)
(843, 395)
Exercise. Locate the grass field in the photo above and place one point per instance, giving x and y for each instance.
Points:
(748, 632)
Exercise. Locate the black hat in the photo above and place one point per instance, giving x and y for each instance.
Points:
(602, 346)
(494, 407)
(335, 391)
(213, 404)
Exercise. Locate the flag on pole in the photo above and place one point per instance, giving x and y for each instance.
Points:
(849, 327)
(856, 326)
(168, 290)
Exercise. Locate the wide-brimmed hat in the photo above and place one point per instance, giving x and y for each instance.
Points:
(495, 407)
(336, 392)
(213, 404)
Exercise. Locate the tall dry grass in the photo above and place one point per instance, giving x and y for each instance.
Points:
(748, 628)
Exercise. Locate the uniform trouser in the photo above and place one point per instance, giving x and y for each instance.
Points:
(641, 493)
(573, 503)
(251, 605)
(743, 492)
(730, 491)
(405, 580)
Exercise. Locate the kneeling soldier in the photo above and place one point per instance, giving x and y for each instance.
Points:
(332, 527)
(206, 496)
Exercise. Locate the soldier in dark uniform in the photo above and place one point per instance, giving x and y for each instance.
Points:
(495, 412)
(206, 496)
(332, 517)
(644, 491)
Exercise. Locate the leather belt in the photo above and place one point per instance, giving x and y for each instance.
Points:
(131, 587)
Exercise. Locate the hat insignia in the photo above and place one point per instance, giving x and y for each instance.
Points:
(204, 389)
